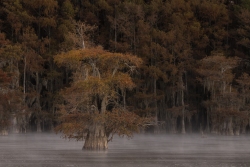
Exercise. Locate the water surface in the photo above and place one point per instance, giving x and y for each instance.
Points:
(49, 150)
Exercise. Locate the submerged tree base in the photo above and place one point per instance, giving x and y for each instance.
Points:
(96, 138)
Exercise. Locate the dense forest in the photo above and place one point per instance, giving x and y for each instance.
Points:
(175, 66)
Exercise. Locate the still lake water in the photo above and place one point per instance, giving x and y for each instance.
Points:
(49, 150)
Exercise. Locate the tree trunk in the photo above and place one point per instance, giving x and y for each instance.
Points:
(214, 128)
(38, 126)
(230, 126)
(96, 138)
(123, 91)
(223, 128)
(244, 126)
(104, 104)
(183, 128)
(208, 127)
(14, 128)
(189, 127)
(52, 125)
(24, 77)
(156, 128)
(173, 125)
(237, 130)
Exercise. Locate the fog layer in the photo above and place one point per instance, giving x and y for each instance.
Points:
(141, 151)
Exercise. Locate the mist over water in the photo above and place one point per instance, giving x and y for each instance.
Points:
(49, 150)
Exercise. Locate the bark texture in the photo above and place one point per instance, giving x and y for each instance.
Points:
(96, 138)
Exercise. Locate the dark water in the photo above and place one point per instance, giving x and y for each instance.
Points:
(49, 150)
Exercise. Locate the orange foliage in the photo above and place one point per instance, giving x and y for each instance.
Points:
(99, 77)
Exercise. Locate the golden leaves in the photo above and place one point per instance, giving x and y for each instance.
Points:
(122, 81)
(103, 58)
(71, 58)
(217, 68)
(93, 85)
(123, 122)
(105, 74)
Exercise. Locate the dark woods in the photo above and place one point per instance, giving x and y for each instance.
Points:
(71, 64)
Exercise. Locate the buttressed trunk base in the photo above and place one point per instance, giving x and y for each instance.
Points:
(96, 138)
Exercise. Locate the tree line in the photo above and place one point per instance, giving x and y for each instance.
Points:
(179, 65)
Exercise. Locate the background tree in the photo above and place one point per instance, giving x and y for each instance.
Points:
(221, 98)
(241, 32)
(243, 116)
(4, 105)
(173, 38)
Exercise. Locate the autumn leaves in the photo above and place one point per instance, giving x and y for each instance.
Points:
(97, 93)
